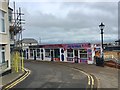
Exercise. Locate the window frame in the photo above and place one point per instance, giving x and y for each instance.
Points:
(70, 53)
(2, 22)
(47, 53)
(1, 52)
(83, 53)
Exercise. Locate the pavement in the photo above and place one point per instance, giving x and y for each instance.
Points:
(107, 77)
(6, 79)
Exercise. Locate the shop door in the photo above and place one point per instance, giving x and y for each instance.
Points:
(51, 55)
(76, 56)
(57, 54)
(34, 54)
(42, 56)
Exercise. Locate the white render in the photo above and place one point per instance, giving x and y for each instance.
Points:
(4, 38)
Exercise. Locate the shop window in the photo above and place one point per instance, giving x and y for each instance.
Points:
(31, 52)
(38, 53)
(83, 54)
(24, 53)
(57, 53)
(69, 52)
(47, 52)
(76, 52)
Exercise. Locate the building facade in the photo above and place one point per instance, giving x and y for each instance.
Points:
(25, 43)
(5, 63)
(74, 53)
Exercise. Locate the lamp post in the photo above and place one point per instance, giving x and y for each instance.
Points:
(101, 26)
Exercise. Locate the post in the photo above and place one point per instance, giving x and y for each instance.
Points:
(102, 47)
(102, 54)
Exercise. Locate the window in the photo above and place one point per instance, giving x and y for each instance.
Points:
(2, 51)
(57, 53)
(2, 21)
(70, 52)
(31, 52)
(83, 53)
(10, 15)
(47, 52)
(38, 53)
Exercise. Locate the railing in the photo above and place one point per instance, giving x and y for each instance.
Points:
(111, 57)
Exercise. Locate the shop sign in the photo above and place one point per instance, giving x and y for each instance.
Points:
(78, 45)
(73, 46)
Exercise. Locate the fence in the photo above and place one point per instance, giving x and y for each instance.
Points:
(111, 57)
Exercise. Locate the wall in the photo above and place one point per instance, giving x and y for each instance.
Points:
(4, 37)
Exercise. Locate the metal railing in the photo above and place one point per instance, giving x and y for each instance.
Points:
(111, 57)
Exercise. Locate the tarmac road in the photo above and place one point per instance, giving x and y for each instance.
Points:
(52, 75)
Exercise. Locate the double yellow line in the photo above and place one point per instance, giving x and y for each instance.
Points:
(90, 78)
(18, 80)
(91, 81)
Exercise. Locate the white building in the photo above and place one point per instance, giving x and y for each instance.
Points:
(76, 52)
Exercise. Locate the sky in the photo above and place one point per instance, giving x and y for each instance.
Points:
(68, 21)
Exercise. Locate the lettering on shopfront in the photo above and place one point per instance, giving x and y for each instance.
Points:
(78, 45)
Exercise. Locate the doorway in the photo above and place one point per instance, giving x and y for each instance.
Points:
(51, 53)
(34, 55)
(76, 56)
(42, 56)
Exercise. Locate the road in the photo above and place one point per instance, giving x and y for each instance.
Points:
(52, 75)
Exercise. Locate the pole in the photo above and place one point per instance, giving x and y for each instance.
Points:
(22, 59)
(14, 26)
(102, 47)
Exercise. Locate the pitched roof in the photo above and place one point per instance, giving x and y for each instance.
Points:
(29, 40)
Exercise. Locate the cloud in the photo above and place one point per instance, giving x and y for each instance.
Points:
(70, 21)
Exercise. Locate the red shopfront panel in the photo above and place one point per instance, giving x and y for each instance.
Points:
(56, 59)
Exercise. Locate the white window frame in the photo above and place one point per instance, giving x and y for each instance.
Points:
(83, 53)
(72, 53)
(2, 17)
(1, 52)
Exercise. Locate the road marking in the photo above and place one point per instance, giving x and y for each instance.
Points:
(88, 75)
(98, 82)
(21, 79)
(18, 80)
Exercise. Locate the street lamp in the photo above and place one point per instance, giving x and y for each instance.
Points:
(101, 26)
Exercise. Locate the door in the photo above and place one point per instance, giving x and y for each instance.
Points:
(34, 54)
(51, 55)
(76, 56)
(42, 56)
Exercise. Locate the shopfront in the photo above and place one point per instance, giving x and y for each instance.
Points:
(52, 52)
(79, 53)
(75, 53)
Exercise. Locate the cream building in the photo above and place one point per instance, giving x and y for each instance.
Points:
(5, 64)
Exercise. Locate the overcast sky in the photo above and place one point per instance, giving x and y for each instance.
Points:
(63, 22)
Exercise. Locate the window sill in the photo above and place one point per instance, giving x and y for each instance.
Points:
(3, 33)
